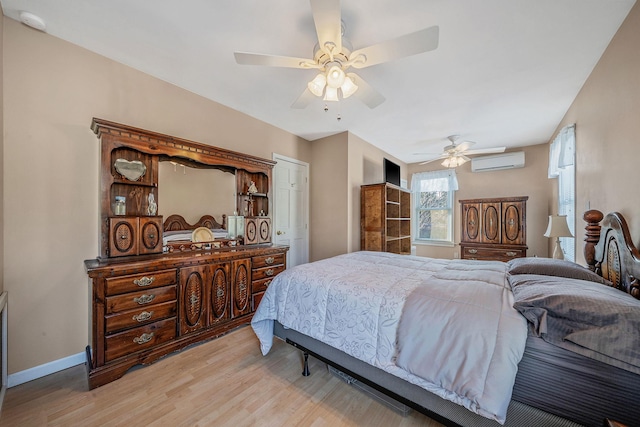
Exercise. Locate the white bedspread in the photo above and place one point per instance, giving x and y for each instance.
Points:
(355, 302)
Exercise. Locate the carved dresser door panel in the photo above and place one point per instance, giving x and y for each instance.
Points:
(514, 232)
(491, 223)
(240, 298)
(192, 300)
(219, 293)
(471, 218)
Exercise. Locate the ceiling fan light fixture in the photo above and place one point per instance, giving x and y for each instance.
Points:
(335, 77)
(348, 87)
(331, 94)
(453, 162)
(316, 86)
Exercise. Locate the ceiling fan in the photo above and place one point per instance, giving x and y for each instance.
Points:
(333, 56)
(456, 153)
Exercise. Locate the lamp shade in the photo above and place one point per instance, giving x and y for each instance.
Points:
(558, 227)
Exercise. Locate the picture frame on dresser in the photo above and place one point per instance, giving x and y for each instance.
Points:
(151, 297)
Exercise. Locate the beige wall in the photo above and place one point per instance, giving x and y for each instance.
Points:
(607, 117)
(52, 89)
(528, 181)
(329, 226)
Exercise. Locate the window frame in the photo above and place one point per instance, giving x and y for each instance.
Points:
(416, 210)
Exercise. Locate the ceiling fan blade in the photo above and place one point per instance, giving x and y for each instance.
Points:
(303, 100)
(365, 93)
(407, 45)
(326, 16)
(486, 150)
(433, 160)
(246, 58)
(466, 159)
(463, 146)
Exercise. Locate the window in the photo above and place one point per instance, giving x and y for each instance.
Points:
(562, 166)
(433, 205)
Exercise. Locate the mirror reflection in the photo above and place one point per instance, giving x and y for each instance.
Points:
(194, 192)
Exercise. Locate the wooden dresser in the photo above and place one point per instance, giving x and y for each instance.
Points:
(385, 218)
(149, 299)
(494, 229)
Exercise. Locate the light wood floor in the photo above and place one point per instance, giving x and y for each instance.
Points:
(225, 382)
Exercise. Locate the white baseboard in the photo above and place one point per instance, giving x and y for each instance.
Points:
(46, 369)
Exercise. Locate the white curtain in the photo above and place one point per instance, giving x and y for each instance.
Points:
(563, 151)
(442, 180)
(562, 155)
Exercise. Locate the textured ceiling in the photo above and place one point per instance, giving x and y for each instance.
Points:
(504, 73)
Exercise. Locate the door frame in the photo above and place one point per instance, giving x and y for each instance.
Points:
(276, 157)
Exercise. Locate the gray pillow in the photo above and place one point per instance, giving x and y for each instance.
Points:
(553, 267)
(592, 316)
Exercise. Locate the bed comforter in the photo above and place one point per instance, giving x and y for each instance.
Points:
(447, 326)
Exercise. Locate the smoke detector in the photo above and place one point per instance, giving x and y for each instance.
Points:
(32, 21)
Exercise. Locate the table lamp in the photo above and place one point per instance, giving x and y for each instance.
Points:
(558, 228)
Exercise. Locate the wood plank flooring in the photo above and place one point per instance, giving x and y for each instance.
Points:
(224, 382)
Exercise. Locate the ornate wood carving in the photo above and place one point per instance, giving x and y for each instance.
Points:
(592, 236)
(615, 256)
(177, 222)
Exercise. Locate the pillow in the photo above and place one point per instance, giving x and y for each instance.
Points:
(553, 267)
(593, 317)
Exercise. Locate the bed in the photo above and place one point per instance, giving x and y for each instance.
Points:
(494, 362)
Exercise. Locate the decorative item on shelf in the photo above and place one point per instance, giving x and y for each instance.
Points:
(557, 228)
(262, 213)
(120, 206)
(136, 193)
(235, 225)
(252, 188)
(152, 207)
(131, 170)
(201, 234)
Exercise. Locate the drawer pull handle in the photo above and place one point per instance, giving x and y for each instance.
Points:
(124, 237)
(144, 281)
(267, 283)
(242, 287)
(269, 260)
(220, 293)
(473, 251)
(144, 299)
(269, 272)
(193, 299)
(143, 339)
(145, 315)
(511, 253)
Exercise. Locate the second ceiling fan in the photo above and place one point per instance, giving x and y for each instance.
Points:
(456, 153)
(333, 57)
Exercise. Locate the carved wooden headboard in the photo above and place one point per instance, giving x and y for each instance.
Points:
(177, 222)
(610, 252)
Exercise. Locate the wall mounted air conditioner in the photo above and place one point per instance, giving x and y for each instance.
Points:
(498, 162)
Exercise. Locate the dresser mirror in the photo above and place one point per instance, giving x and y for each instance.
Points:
(193, 192)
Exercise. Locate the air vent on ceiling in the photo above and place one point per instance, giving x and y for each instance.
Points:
(498, 162)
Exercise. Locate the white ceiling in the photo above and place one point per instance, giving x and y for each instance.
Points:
(504, 74)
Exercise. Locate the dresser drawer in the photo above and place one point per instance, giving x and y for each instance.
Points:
(142, 338)
(260, 285)
(140, 316)
(136, 282)
(267, 260)
(140, 299)
(493, 254)
(266, 272)
(255, 300)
